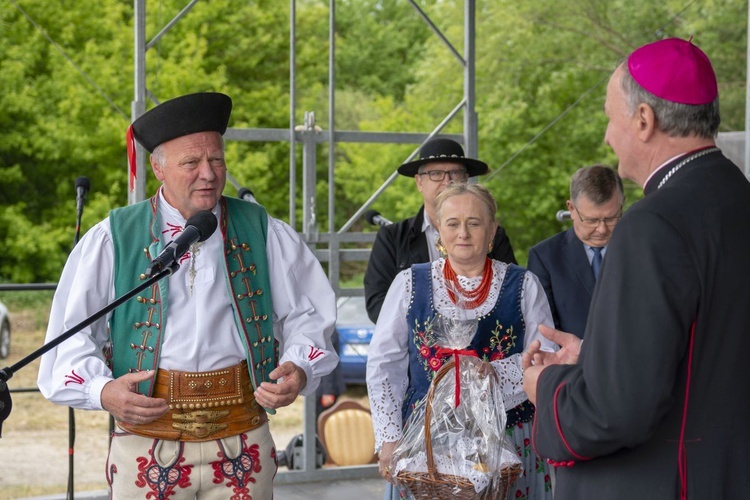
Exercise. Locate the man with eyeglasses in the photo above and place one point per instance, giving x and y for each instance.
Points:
(397, 246)
(567, 264)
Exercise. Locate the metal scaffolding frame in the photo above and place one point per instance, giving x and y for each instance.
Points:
(310, 136)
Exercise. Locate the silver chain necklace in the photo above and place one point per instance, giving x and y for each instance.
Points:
(684, 162)
(195, 249)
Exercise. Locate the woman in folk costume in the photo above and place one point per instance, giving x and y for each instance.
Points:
(506, 300)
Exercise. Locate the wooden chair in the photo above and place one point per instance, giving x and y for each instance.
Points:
(345, 429)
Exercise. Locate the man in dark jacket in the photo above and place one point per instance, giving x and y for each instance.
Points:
(656, 405)
(567, 264)
(411, 241)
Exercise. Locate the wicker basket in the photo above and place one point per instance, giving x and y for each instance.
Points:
(435, 485)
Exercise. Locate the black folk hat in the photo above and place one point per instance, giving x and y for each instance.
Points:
(443, 150)
(184, 115)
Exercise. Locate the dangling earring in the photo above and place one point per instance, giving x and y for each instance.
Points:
(440, 247)
(490, 247)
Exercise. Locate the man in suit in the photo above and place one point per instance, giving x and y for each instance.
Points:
(566, 263)
(411, 241)
(656, 404)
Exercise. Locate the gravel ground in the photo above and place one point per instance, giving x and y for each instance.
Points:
(40, 458)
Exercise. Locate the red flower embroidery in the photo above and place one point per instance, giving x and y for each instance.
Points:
(435, 364)
(424, 351)
(237, 473)
(162, 482)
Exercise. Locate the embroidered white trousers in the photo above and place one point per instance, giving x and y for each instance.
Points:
(240, 467)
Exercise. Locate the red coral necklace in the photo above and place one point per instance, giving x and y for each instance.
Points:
(476, 296)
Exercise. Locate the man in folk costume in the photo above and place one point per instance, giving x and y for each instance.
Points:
(655, 406)
(190, 368)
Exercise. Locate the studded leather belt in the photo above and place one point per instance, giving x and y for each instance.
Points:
(203, 405)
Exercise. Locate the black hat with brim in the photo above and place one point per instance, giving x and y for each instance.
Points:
(443, 150)
(184, 115)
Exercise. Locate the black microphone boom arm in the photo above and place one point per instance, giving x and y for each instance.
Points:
(7, 372)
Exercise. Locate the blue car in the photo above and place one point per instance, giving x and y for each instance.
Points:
(355, 332)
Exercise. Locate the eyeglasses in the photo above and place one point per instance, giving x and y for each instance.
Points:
(439, 175)
(592, 223)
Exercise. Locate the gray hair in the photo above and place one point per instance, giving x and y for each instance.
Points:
(478, 190)
(158, 155)
(672, 118)
(598, 183)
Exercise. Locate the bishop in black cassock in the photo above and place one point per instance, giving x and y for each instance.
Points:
(657, 405)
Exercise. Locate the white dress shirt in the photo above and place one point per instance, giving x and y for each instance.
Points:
(200, 332)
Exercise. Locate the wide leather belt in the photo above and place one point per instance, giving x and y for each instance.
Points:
(203, 405)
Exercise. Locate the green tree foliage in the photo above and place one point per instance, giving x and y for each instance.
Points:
(542, 75)
(54, 125)
(720, 27)
(66, 69)
(377, 44)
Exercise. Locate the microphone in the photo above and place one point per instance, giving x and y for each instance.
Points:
(374, 218)
(246, 194)
(562, 215)
(82, 187)
(199, 227)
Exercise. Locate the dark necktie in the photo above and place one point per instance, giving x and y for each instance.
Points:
(596, 262)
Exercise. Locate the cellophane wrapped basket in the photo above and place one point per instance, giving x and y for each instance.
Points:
(455, 448)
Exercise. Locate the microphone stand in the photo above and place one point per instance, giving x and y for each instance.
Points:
(7, 372)
(80, 200)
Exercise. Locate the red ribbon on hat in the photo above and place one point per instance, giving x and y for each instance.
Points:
(444, 352)
(130, 143)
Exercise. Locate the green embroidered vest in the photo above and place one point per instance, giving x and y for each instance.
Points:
(137, 326)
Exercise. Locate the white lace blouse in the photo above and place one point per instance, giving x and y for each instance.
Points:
(388, 357)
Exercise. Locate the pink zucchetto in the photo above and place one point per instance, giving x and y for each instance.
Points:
(674, 70)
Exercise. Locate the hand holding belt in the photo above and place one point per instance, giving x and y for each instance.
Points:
(203, 405)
